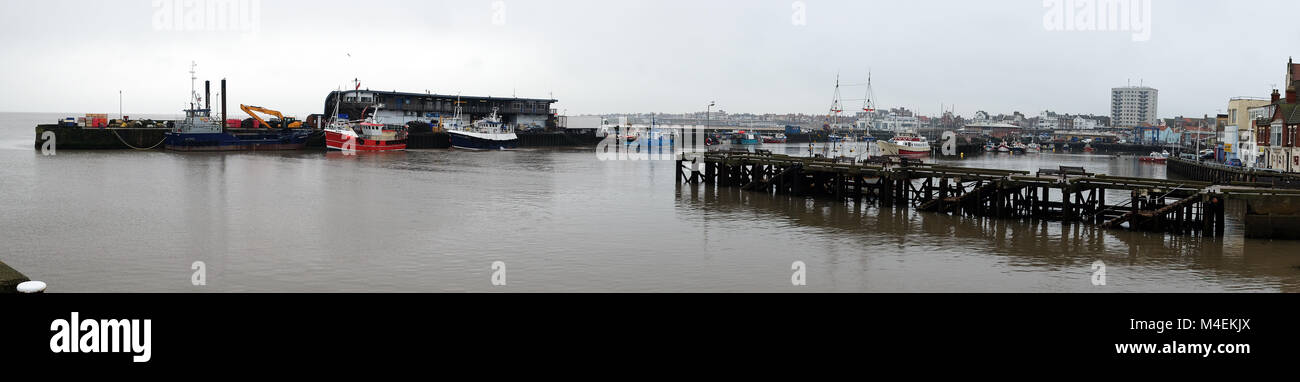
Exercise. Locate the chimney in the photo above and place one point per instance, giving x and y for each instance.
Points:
(207, 95)
(1290, 94)
(1276, 96)
(223, 102)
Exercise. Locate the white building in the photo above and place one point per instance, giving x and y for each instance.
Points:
(1047, 121)
(890, 122)
(1081, 123)
(1252, 154)
(1132, 106)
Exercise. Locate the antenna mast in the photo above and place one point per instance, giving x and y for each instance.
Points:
(193, 77)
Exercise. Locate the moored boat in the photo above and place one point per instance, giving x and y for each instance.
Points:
(1018, 148)
(906, 144)
(485, 134)
(779, 138)
(746, 138)
(366, 135)
(1155, 157)
(200, 132)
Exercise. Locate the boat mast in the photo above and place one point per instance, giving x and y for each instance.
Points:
(869, 105)
(194, 95)
(836, 109)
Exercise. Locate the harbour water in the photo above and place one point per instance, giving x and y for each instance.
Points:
(559, 219)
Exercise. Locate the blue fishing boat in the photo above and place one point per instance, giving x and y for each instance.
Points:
(747, 138)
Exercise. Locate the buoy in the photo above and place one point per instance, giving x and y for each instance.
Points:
(31, 287)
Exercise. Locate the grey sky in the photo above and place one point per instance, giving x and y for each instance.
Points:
(642, 56)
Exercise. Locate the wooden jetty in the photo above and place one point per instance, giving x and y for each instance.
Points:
(1065, 194)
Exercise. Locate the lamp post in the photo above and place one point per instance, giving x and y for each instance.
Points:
(708, 112)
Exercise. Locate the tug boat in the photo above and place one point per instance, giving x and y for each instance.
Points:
(484, 134)
(200, 132)
(907, 145)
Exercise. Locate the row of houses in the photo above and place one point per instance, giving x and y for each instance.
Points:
(1272, 134)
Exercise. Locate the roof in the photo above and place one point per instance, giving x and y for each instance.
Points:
(444, 96)
(1289, 113)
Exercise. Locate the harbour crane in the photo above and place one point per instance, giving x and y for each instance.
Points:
(287, 122)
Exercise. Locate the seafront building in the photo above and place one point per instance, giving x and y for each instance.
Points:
(1238, 133)
(1277, 132)
(1133, 106)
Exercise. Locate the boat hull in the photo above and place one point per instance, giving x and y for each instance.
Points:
(338, 141)
(890, 148)
(483, 141)
(271, 141)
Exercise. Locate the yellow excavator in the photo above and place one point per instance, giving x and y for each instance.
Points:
(288, 122)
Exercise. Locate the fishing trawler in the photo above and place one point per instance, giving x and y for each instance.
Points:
(200, 132)
(906, 144)
(778, 138)
(484, 134)
(366, 134)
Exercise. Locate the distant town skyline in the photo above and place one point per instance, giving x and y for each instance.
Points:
(643, 56)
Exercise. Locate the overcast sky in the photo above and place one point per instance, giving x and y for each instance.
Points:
(642, 56)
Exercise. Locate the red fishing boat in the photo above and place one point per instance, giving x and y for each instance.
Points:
(366, 134)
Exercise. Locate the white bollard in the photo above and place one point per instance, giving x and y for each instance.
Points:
(32, 287)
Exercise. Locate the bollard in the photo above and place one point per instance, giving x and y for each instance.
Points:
(29, 287)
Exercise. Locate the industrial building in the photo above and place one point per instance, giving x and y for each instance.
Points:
(398, 108)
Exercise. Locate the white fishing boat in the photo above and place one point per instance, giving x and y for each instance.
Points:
(484, 134)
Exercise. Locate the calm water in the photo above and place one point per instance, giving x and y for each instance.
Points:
(436, 220)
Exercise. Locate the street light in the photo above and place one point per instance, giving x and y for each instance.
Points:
(708, 112)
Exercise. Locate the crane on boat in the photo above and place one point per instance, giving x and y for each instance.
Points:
(285, 122)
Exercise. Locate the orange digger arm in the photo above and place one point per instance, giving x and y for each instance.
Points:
(251, 109)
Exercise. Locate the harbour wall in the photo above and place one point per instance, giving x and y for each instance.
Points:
(10, 278)
(76, 138)
(1221, 174)
(1273, 213)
